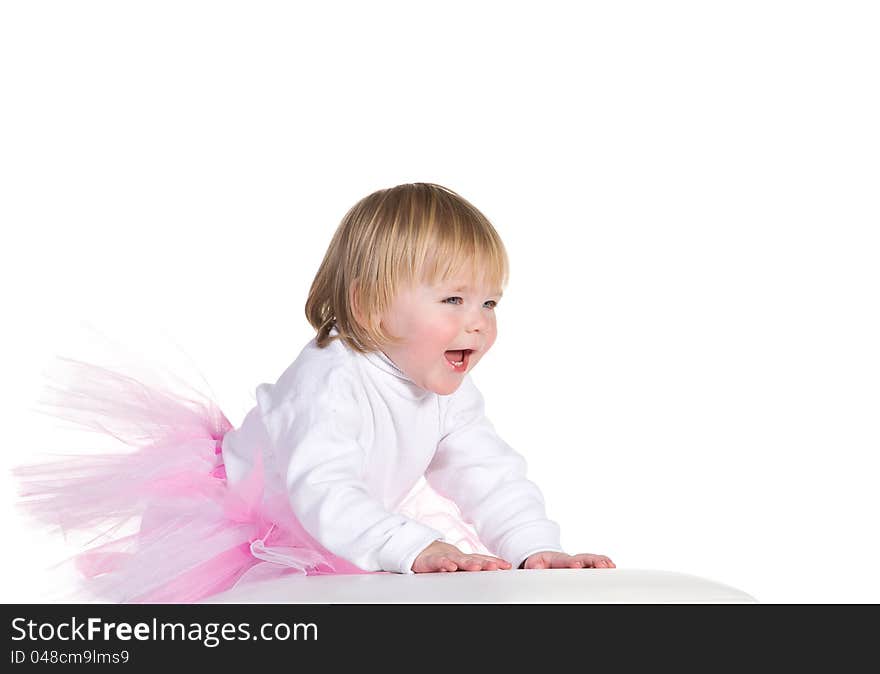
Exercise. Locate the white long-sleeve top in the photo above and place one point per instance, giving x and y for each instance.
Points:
(346, 436)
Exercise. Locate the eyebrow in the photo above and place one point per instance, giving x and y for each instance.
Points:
(461, 288)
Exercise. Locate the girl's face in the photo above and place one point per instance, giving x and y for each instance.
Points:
(436, 322)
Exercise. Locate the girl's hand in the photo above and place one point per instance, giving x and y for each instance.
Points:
(440, 556)
(560, 560)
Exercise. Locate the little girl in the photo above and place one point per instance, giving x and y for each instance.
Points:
(324, 474)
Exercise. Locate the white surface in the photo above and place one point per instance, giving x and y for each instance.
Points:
(687, 191)
(552, 586)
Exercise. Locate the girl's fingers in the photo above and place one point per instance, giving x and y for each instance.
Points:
(451, 562)
(460, 563)
(595, 561)
(496, 562)
(561, 560)
(447, 564)
(480, 563)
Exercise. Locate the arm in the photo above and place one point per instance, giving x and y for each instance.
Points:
(475, 468)
(314, 434)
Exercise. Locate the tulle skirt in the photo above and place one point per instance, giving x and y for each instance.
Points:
(164, 524)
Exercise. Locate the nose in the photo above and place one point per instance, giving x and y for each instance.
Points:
(477, 322)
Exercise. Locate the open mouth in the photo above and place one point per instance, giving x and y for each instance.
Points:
(458, 358)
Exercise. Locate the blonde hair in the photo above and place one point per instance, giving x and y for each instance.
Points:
(393, 239)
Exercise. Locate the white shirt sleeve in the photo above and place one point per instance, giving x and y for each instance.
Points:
(486, 478)
(314, 434)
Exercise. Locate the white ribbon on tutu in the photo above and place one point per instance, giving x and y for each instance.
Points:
(300, 559)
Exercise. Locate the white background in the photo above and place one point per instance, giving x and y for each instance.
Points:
(688, 192)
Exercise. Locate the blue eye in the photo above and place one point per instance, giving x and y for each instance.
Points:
(492, 302)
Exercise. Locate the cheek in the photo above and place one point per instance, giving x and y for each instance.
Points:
(491, 332)
(431, 339)
(438, 330)
(489, 341)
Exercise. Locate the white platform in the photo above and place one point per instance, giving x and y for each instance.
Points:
(549, 586)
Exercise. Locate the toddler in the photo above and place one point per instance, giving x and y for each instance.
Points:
(320, 474)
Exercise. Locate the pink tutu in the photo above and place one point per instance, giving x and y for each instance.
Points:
(168, 527)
